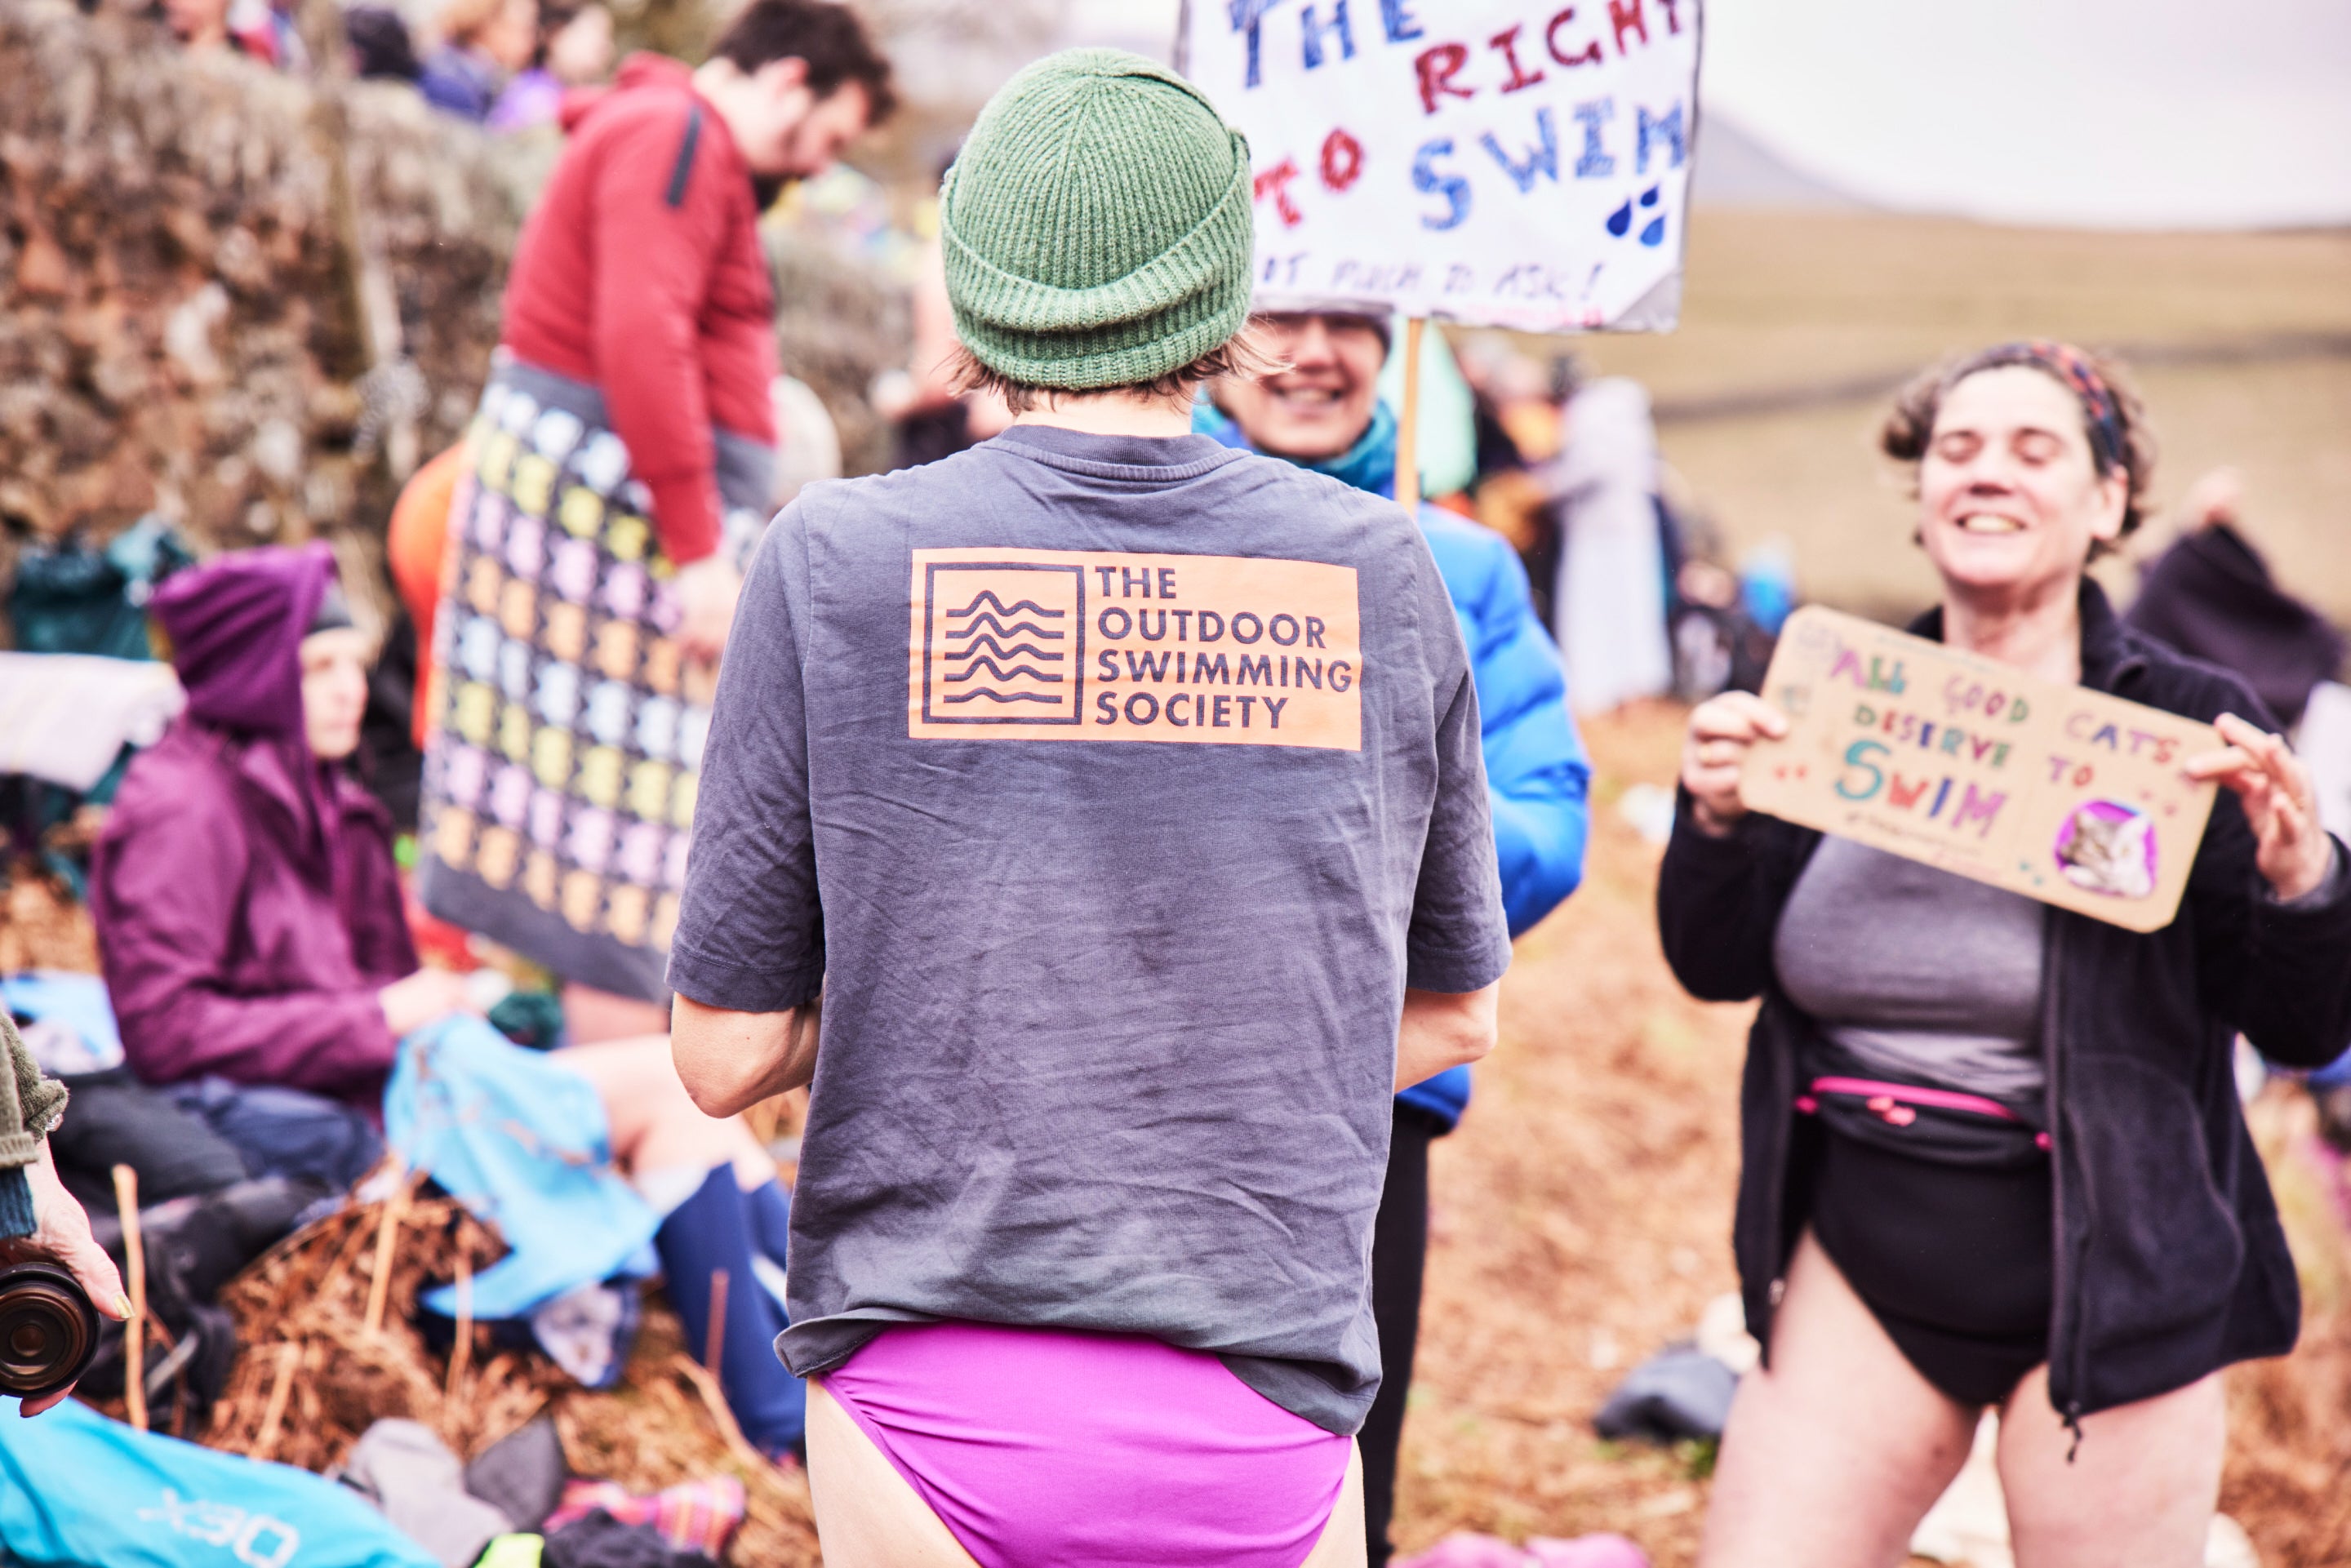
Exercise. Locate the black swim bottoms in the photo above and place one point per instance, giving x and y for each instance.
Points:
(1954, 1261)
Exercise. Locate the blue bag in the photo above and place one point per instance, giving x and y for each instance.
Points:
(523, 1142)
(79, 1489)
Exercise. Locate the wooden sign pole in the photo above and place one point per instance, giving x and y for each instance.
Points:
(1407, 468)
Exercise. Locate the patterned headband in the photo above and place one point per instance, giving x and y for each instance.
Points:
(2100, 411)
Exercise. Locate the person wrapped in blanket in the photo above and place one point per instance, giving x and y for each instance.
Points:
(1323, 412)
(251, 929)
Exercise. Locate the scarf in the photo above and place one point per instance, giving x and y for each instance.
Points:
(1368, 464)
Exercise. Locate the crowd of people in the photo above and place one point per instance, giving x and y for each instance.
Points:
(504, 65)
(1131, 994)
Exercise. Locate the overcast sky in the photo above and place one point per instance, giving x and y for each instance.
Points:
(2079, 113)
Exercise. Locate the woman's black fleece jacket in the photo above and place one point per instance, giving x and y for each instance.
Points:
(2170, 1258)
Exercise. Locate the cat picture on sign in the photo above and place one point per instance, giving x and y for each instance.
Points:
(2108, 848)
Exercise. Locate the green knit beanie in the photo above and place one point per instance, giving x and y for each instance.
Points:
(1097, 226)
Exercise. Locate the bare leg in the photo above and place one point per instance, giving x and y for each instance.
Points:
(594, 1016)
(2139, 1493)
(866, 1514)
(1343, 1543)
(868, 1517)
(655, 1126)
(1833, 1456)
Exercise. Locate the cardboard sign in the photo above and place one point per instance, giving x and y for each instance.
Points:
(1206, 650)
(1514, 164)
(2065, 795)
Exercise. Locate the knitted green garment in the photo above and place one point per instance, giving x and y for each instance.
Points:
(1096, 226)
(30, 1105)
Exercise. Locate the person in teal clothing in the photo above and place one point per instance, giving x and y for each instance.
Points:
(1324, 412)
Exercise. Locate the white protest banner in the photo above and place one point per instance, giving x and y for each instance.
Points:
(2065, 795)
(1516, 164)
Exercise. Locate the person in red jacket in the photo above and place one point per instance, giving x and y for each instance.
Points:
(619, 465)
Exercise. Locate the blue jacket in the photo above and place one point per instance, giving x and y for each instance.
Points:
(1537, 775)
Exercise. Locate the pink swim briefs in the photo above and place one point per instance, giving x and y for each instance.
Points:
(1087, 1450)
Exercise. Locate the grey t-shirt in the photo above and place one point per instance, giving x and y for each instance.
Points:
(1918, 972)
(1114, 789)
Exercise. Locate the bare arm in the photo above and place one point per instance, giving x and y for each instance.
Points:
(730, 1061)
(1442, 1029)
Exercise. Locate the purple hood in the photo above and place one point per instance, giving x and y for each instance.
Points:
(247, 909)
(236, 625)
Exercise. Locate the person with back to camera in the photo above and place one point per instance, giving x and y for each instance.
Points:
(1123, 958)
(1322, 411)
(2070, 1224)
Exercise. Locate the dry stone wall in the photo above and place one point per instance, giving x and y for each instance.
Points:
(180, 325)
(201, 263)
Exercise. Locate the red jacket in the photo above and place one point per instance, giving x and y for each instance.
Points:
(640, 273)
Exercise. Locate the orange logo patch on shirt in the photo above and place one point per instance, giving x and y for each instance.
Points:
(1022, 644)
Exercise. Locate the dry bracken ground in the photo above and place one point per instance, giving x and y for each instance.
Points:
(1582, 1219)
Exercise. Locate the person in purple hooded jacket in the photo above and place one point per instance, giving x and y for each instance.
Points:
(251, 928)
(248, 913)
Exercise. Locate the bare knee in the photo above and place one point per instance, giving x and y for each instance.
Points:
(655, 1123)
(1836, 1452)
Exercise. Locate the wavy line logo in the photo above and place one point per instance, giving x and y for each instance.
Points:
(1003, 643)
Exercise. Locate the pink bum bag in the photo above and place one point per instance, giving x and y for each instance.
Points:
(1897, 1106)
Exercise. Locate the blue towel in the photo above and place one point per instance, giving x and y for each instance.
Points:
(523, 1142)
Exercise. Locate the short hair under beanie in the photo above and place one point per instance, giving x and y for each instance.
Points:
(1097, 227)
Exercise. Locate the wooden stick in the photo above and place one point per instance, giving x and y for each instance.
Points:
(461, 1352)
(265, 1441)
(134, 1333)
(1407, 469)
(387, 1236)
(714, 1340)
(714, 1398)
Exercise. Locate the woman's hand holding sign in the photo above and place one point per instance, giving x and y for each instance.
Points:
(1714, 749)
(2292, 851)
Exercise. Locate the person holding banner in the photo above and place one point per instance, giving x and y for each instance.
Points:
(1992, 1151)
(1323, 411)
(1122, 795)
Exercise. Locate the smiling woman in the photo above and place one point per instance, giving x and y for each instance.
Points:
(1991, 1155)
(2051, 410)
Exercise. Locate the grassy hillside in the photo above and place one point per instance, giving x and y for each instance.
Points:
(1801, 304)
